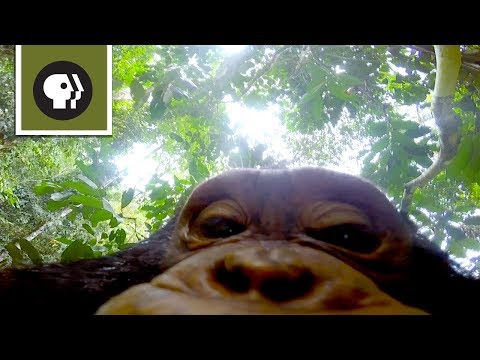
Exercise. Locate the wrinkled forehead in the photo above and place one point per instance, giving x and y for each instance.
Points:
(294, 189)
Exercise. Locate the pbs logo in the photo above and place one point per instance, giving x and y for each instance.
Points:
(62, 90)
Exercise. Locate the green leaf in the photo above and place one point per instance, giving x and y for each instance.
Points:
(456, 249)
(423, 161)
(87, 212)
(120, 236)
(14, 252)
(404, 140)
(157, 108)
(100, 215)
(378, 128)
(87, 171)
(114, 222)
(116, 83)
(88, 228)
(160, 192)
(125, 246)
(64, 240)
(81, 187)
(176, 137)
(418, 132)
(380, 144)
(92, 242)
(87, 181)
(46, 188)
(87, 201)
(76, 251)
(55, 205)
(72, 216)
(460, 161)
(104, 236)
(31, 251)
(471, 244)
(404, 125)
(202, 169)
(127, 197)
(340, 92)
(193, 169)
(318, 112)
(137, 91)
(472, 170)
(474, 220)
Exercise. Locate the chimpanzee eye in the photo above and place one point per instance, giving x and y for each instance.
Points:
(352, 237)
(218, 227)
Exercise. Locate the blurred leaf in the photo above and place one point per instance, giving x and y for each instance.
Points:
(87, 181)
(64, 240)
(456, 249)
(55, 205)
(378, 128)
(460, 161)
(474, 220)
(471, 244)
(72, 216)
(116, 84)
(14, 253)
(81, 187)
(418, 132)
(87, 171)
(380, 144)
(157, 108)
(125, 246)
(76, 251)
(193, 169)
(100, 215)
(127, 197)
(120, 236)
(87, 201)
(176, 137)
(46, 188)
(137, 91)
(31, 251)
(88, 228)
(114, 222)
(202, 169)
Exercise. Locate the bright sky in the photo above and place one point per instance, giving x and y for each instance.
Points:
(232, 49)
(138, 165)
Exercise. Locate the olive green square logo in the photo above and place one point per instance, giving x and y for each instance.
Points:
(63, 89)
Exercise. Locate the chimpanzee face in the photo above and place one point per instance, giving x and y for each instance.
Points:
(303, 241)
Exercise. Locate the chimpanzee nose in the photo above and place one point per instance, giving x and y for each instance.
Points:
(275, 274)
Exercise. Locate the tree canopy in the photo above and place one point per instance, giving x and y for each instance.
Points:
(189, 112)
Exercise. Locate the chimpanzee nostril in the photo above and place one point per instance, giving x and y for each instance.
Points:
(278, 286)
(235, 280)
(281, 289)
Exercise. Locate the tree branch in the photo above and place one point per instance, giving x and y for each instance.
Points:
(448, 65)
